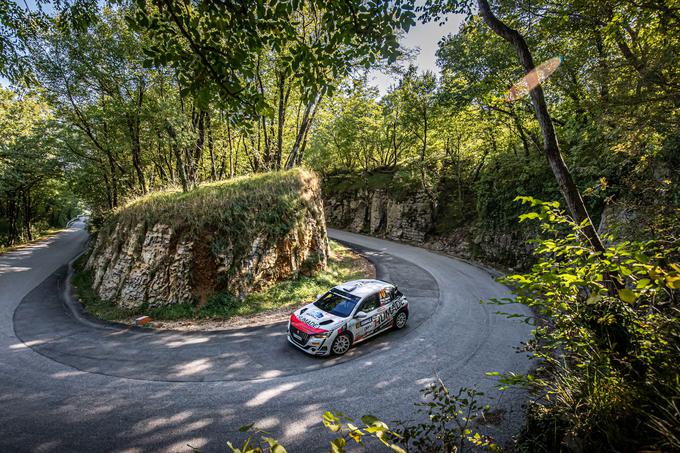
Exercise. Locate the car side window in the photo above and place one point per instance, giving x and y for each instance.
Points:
(370, 303)
(386, 295)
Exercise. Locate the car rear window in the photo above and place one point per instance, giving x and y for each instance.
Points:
(336, 303)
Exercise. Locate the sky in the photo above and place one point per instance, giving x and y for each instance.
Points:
(424, 37)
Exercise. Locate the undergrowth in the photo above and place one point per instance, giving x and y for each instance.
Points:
(606, 341)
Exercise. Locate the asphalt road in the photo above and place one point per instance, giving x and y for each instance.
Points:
(66, 385)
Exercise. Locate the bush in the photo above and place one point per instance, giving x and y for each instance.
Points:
(450, 421)
(606, 336)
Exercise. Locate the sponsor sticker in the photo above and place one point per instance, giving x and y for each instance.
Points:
(310, 322)
(317, 314)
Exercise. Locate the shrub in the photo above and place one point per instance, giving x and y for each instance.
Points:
(606, 337)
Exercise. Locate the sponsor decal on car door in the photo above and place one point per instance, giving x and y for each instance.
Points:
(378, 317)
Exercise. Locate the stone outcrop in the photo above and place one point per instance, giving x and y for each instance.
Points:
(413, 216)
(379, 214)
(158, 263)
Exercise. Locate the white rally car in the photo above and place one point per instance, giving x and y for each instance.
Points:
(347, 314)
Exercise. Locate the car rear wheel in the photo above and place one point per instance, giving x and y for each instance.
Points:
(400, 320)
(341, 344)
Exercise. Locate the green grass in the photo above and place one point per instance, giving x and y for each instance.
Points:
(223, 201)
(268, 205)
(343, 265)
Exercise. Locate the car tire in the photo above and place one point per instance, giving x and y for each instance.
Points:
(401, 319)
(341, 344)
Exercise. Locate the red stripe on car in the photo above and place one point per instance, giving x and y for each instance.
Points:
(306, 328)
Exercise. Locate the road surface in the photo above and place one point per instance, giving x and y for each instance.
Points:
(66, 385)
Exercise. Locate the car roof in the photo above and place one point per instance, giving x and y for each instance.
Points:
(364, 287)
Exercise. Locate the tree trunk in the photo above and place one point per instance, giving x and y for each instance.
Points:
(133, 126)
(198, 148)
(211, 148)
(231, 152)
(26, 201)
(302, 132)
(178, 158)
(114, 179)
(13, 233)
(551, 148)
(283, 100)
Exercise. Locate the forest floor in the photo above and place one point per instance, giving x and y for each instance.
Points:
(224, 312)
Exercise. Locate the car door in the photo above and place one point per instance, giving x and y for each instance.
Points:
(366, 326)
(381, 317)
(393, 301)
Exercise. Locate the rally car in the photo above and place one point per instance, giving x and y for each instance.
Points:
(347, 314)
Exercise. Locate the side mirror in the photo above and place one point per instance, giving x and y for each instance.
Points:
(360, 315)
(318, 296)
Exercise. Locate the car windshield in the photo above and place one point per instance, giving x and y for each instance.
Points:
(337, 303)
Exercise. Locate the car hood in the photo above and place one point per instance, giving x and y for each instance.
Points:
(313, 320)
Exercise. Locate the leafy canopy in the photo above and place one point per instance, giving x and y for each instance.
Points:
(215, 47)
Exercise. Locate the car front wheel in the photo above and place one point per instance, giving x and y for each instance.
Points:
(400, 320)
(341, 344)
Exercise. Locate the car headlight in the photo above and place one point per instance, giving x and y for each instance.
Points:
(321, 335)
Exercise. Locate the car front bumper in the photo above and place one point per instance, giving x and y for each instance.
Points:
(322, 347)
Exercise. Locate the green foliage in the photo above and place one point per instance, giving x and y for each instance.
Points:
(345, 430)
(401, 183)
(613, 100)
(267, 201)
(452, 419)
(216, 48)
(34, 197)
(606, 339)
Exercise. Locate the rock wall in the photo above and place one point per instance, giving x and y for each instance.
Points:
(378, 213)
(149, 263)
(413, 218)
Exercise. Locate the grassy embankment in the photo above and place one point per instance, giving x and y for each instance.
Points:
(223, 216)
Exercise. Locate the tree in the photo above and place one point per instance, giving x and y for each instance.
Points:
(216, 48)
(551, 148)
(31, 171)
(418, 94)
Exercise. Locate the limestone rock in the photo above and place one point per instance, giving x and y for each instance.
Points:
(151, 263)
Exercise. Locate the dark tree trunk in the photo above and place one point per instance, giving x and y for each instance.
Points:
(27, 211)
(551, 148)
(283, 101)
(198, 148)
(211, 148)
(231, 152)
(178, 158)
(114, 179)
(133, 121)
(12, 214)
(423, 151)
(522, 135)
(307, 117)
